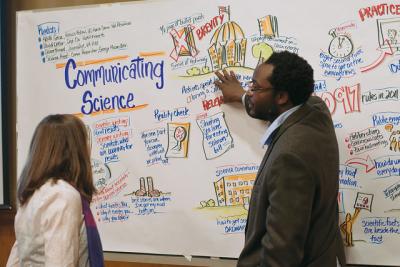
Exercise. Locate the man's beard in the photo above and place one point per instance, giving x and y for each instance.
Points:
(266, 114)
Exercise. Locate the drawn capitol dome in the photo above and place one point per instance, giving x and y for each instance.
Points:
(228, 46)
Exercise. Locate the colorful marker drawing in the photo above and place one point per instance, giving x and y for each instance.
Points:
(341, 45)
(232, 194)
(184, 44)
(387, 51)
(262, 51)
(147, 200)
(147, 189)
(388, 40)
(101, 174)
(234, 190)
(389, 33)
(347, 227)
(363, 201)
(228, 44)
(394, 140)
(178, 140)
(367, 162)
(217, 139)
(268, 26)
(154, 146)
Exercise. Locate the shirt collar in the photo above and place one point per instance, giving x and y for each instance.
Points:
(267, 137)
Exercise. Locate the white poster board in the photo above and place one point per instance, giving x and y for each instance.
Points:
(175, 168)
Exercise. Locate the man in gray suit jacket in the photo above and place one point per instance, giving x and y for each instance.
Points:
(293, 215)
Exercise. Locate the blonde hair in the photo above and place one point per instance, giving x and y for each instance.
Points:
(59, 150)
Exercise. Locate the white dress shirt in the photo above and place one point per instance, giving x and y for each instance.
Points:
(50, 229)
(266, 138)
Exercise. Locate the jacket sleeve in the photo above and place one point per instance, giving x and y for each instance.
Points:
(61, 221)
(291, 189)
(13, 260)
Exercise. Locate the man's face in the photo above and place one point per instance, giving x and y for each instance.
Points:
(260, 100)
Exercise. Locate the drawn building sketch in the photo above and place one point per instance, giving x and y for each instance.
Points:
(268, 26)
(228, 44)
(178, 140)
(235, 189)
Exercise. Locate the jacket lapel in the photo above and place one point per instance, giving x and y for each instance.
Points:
(291, 120)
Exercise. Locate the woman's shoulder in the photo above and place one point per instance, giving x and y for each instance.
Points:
(56, 198)
(60, 190)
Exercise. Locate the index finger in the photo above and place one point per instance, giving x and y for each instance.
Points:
(226, 74)
(233, 76)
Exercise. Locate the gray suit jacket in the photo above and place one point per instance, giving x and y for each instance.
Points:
(293, 215)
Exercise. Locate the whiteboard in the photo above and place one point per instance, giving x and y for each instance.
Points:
(173, 166)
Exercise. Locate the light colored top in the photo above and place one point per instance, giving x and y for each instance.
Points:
(50, 229)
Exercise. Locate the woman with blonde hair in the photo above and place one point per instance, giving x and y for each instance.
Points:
(54, 225)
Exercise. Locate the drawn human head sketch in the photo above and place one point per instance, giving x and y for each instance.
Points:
(179, 135)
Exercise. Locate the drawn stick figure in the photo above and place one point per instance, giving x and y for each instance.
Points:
(347, 227)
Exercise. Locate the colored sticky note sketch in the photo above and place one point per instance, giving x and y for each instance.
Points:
(364, 201)
(178, 140)
(216, 136)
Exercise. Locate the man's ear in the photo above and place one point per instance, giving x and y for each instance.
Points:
(282, 98)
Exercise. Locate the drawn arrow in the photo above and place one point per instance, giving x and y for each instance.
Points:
(380, 59)
(368, 163)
